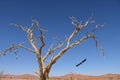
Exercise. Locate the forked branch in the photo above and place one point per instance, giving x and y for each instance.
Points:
(51, 50)
(42, 42)
(78, 27)
(62, 47)
(13, 48)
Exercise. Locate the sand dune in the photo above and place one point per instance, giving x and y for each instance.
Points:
(65, 77)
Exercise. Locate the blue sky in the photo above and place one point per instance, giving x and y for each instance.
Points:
(53, 15)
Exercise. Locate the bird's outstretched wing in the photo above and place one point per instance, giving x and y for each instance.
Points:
(81, 62)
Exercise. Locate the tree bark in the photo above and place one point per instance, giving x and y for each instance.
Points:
(44, 75)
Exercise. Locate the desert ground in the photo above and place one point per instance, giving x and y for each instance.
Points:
(65, 77)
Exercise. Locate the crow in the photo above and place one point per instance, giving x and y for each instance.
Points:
(81, 62)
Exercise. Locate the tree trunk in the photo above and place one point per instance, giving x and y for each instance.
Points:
(44, 76)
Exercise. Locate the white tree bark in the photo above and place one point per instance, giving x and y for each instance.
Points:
(45, 69)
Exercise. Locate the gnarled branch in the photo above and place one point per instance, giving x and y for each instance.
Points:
(69, 45)
(65, 46)
(13, 48)
(51, 50)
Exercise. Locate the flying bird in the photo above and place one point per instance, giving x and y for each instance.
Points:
(81, 62)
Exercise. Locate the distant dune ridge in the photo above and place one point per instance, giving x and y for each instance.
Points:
(65, 77)
(23, 76)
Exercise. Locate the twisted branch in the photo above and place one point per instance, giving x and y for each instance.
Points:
(13, 48)
(69, 45)
(51, 50)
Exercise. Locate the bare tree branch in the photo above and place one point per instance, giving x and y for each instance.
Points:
(37, 73)
(39, 51)
(13, 48)
(28, 49)
(79, 26)
(51, 50)
(77, 29)
(19, 26)
(62, 46)
(42, 41)
(74, 21)
(1, 74)
(41, 37)
(83, 39)
(55, 58)
(96, 27)
(70, 45)
(29, 34)
(87, 37)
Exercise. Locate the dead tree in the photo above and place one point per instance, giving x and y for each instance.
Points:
(1, 74)
(62, 46)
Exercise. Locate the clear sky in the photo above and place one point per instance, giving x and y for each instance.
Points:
(53, 15)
